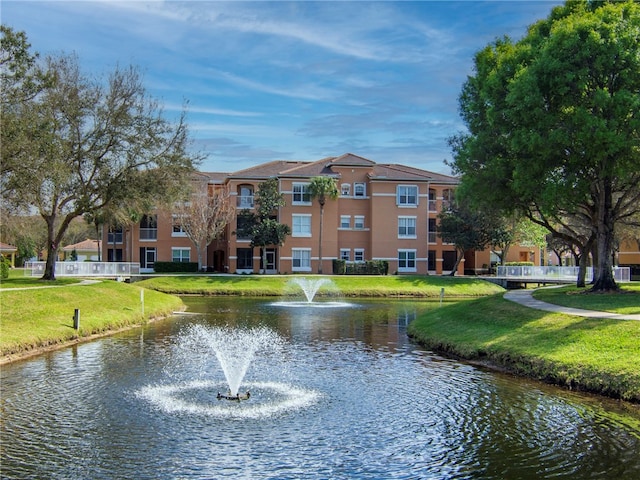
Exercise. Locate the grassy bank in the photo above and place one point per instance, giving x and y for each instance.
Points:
(628, 302)
(594, 355)
(348, 286)
(40, 317)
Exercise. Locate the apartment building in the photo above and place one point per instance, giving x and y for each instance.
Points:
(383, 212)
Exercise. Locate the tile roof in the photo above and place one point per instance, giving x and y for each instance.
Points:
(5, 247)
(85, 245)
(324, 166)
(266, 170)
(393, 171)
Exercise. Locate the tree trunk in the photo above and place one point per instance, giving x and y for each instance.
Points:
(264, 259)
(52, 251)
(320, 243)
(199, 250)
(603, 280)
(458, 260)
(583, 261)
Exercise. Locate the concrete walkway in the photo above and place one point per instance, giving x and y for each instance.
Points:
(525, 298)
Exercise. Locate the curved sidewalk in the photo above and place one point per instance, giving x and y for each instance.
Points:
(525, 298)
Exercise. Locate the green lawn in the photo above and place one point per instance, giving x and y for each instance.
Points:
(592, 354)
(363, 286)
(627, 302)
(38, 317)
(18, 279)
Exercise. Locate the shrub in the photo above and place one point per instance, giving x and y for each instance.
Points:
(370, 267)
(519, 264)
(175, 267)
(4, 267)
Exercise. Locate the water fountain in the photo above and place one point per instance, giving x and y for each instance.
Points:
(310, 287)
(235, 350)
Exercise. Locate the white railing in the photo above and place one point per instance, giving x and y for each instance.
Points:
(85, 269)
(620, 274)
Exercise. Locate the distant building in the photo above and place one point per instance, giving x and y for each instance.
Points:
(9, 252)
(87, 250)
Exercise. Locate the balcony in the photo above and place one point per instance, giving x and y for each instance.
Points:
(148, 233)
(244, 201)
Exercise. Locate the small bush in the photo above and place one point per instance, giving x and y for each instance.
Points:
(519, 264)
(4, 267)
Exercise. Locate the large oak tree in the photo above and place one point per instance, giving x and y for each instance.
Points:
(80, 144)
(554, 123)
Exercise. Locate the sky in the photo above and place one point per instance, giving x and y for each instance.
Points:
(267, 80)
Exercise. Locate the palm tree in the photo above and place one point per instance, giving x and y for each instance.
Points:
(322, 188)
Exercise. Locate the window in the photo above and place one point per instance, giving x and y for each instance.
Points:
(114, 235)
(345, 189)
(406, 260)
(359, 190)
(345, 254)
(345, 221)
(358, 222)
(406, 227)
(358, 254)
(245, 258)
(301, 194)
(301, 260)
(407, 195)
(180, 254)
(301, 226)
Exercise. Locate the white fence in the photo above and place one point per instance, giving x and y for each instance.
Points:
(85, 269)
(570, 274)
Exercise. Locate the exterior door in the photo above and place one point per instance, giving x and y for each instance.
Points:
(147, 259)
(271, 254)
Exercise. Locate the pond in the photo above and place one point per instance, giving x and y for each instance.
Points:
(357, 398)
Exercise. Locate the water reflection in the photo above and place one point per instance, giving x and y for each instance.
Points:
(388, 409)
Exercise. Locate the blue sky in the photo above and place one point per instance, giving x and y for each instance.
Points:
(290, 80)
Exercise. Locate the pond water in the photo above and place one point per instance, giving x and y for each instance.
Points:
(355, 398)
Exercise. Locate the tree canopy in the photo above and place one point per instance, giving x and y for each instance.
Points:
(79, 145)
(554, 123)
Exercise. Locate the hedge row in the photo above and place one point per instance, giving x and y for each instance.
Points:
(370, 267)
(175, 267)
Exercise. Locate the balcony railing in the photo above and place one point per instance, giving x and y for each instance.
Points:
(432, 205)
(85, 269)
(620, 274)
(148, 234)
(244, 201)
